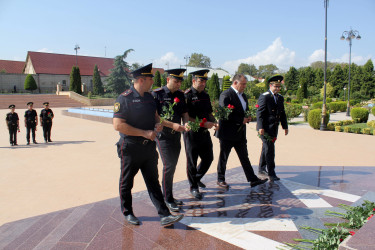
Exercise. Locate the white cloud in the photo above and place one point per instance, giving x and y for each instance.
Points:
(318, 55)
(45, 50)
(276, 54)
(169, 60)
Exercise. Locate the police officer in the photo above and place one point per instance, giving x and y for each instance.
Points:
(13, 125)
(198, 143)
(168, 140)
(135, 117)
(31, 122)
(46, 116)
(232, 132)
(269, 115)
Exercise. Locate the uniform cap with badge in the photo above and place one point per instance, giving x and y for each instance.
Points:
(45, 103)
(201, 74)
(144, 71)
(275, 79)
(12, 106)
(30, 103)
(176, 73)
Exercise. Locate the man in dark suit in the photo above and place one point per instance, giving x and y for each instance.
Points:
(232, 132)
(269, 114)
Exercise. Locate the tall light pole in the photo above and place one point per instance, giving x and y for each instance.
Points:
(351, 34)
(324, 109)
(76, 48)
(187, 57)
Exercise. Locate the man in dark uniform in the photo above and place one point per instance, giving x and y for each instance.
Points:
(269, 114)
(13, 125)
(46, 116)
(135, 117)
(31, 122)
(198, 143)
(169, 141)
(232, 132)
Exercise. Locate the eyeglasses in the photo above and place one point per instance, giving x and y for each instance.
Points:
(278, 87)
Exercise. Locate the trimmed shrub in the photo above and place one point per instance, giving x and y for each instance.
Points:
(357, 120)
(373, 111)
(347, 122)
(356, 130)
(347, 129)
(317, 105)
(292, 110)
(331, 126)
(366, 131)
(371, 124)
(339, 123)
(360, 113)
(338, 129)
(89, 95)
(328, 100)
(315, 117)
(30, 83)
(295, 101)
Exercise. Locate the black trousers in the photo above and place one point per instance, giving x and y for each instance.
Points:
(47, 126)
(30, 126)
(267, 157)
(198, 144)
(241, 149)
(169, 146)
(137, 156)
(12, 134)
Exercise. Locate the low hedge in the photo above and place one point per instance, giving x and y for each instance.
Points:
(315, 117)
(317, 105)
(347, 129)
(292, 110)
(356, 130)
(360, 114)
(331, 126)
(337, 106)
(366, 131)
(371, 123)
(338, 129)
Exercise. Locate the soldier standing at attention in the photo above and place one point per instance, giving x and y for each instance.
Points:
(31, 122)
(13, 125)
(199, 143)
(46, 116)
(168, 140)
(135, 117)
(269, 115)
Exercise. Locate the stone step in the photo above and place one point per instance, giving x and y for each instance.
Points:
(38, 99)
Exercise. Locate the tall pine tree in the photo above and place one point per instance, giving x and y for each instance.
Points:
(97, 82)
(157, 80)
(214, 90)
(75, 80)
(119, 80)
(291, 79)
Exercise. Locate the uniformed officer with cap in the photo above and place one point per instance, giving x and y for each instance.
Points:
(199, 143)
(46, 116)
(13, 125)
(168, 140)
(270, 113)
(135, 117)
(31, 122)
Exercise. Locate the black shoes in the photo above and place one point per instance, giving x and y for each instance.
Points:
(171, 219)
(258, 182)
(28, 143)
(201, 185)
(179, 203)
(196, 194)
(131, 219)
(49, 140)
(274, 178)
(35, 142)
(222, 184)
(172, 206)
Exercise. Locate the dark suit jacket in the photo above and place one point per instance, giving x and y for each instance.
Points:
(270, 113)
(229, 129)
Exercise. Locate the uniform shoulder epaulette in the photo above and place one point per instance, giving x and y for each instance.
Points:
(156, 90)
(127, 92)
(266, 93)
(180, 91)
(187, 91)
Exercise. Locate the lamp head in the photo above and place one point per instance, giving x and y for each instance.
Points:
(359, 37)
(342, 37)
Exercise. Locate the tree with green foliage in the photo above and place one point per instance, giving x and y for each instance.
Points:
(75, 80)
(368, 81)
(329, 90)
(337, 80)
(135, 66)
(302, 91)
(30, 83)
(97, 82)
(214, 90)
(291, 79)
(199, 60)
(186, 83)
(267, 70)
(157, 80)
(247, 69)
(226, 83)
(266, 85)
(163, 79)
(356, 78)
(319, 78)
(119, 79)
(320, 65)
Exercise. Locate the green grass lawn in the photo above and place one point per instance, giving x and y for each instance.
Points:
(359, 125)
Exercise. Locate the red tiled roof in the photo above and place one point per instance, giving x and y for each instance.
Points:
(161, 70)
(12, 67)
(60, 64)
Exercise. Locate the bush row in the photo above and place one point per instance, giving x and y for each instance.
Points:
(359, 113)
(366, 131)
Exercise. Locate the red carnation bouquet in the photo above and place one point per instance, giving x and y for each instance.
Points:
(222, 113)
(167, 110)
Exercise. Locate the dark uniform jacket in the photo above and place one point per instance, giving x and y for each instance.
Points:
(270, 113)
(30, 116)
(12, 119)
(232, 129)
(198, 104)
(46, 115)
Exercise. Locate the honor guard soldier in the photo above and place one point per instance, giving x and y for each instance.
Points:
(232, 132)
(13, 125)
(198, 143)
(135, 117)
(168, 140)
(46, 116)
(31, 122)
(270, 114)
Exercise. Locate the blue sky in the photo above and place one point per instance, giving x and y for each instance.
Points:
(285, 33)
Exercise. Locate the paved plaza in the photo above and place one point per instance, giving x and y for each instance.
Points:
(64, 195)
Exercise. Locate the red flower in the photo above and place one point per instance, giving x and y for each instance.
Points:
(256, 105)
(230, 106)
(370, 217)
(201, 124)
(176, 100)
(341, 240)
(352, 233)
(204, 120)
(274, 139)
(373, 209)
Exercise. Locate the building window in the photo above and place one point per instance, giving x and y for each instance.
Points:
(63, 82)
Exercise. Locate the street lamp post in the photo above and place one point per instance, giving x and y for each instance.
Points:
(76, 48)
(323, 125)
(187, 57)
(351, 34)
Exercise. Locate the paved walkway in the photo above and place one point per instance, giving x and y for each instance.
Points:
(81, 167)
